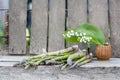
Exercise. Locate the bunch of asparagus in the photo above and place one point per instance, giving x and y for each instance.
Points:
(68, 58)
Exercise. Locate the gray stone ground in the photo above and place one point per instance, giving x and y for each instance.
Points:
(95, 70)
(54, 73)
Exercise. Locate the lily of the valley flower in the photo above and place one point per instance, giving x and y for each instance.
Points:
(81, 37)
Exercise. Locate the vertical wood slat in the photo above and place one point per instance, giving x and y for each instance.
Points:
(4, 4)
(39, 26)
(17, 26)
(98, 15)
(77, 14)
(115, 26)
(56, 25)
(2, 18)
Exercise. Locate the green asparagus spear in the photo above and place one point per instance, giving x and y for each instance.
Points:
(84, 62)
(57, 59)
(30, 65)
(75, 56)
(64, 66)
(80, 60)
(61, 57)
(66, 56)
(67, 50)
(88, 59)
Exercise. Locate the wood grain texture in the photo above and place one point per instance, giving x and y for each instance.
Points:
(77, 14)
(3, 50)
(4, 4)
(13, 58)
(115, 26)
(7, 64)
(2, 19)
(39, 26)
(98, 15)
(56, 25)
(17, 26)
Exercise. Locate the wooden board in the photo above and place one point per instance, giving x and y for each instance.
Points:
(77, 14)
(17, 26)
(98, 15)
(7, 64)
(115, 26)
(56, 25)
(2, 19)
(39, 26)
(12, 58)
(4, 4)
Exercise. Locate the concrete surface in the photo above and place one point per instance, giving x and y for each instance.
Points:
(96, 70)
(54, 73)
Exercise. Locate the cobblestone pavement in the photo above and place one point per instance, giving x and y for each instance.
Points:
(54, 73)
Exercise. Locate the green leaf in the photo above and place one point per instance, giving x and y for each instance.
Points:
(71, 39)
(92, 31)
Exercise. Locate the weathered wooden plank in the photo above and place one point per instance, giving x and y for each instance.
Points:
(56, 25)
(115, 26)
(39, 26)
(4, 4)
(7, 64)
(17, 23)
(12, 58)
(2, 17)
(77, 14)
(98, 15)
(3, 50)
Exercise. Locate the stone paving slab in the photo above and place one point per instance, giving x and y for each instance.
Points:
(11, 60)
(96, 70)
(54, 73)
(113, 62)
